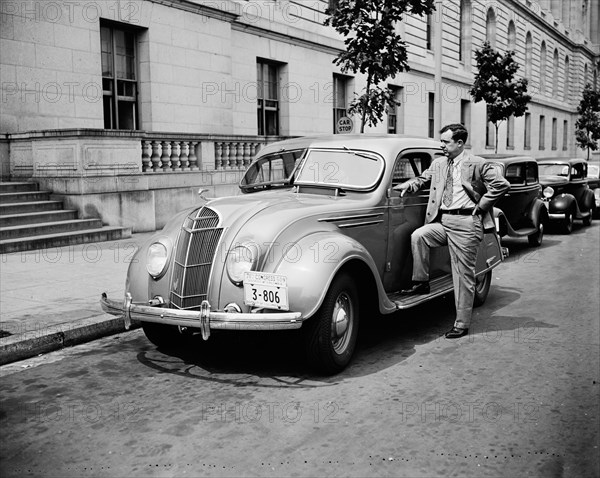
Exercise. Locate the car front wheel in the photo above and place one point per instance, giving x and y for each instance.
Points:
(331, 334)
(567, 223)
(482, 288)
(535, 239)
(161, 335)
(588, 220)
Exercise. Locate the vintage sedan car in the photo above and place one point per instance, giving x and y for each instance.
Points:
(522, 212)
(593, 177)
(566, 191)
(317, 240)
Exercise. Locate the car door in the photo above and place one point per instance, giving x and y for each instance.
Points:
(405, 214)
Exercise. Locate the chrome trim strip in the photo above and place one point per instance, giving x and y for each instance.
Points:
(346, 218)
(357, 224)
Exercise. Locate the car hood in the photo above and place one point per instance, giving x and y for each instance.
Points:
(553, 180)
(262, 216)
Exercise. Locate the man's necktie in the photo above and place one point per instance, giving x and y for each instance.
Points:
(447, 198)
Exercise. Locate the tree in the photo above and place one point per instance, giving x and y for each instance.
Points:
(373, 48)
(495, 84)
(587, 126)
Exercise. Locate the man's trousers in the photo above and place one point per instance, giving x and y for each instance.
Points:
(462, 234)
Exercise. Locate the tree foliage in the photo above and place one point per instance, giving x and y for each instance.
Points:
(373, 48)
(496, 85)
(587, 126)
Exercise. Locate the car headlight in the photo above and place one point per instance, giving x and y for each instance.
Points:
(548, 192)
(239, 260)
(156, 259)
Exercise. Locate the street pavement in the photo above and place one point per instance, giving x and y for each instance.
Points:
(50, 298)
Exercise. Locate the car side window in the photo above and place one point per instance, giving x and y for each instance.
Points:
(532, 173)
(515, 174)
(410, 166)
(577, 171)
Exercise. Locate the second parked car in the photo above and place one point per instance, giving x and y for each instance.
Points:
(566, 191)
(522, 212)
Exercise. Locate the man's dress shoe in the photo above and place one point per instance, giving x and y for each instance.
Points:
(417, 288)
(456, 333)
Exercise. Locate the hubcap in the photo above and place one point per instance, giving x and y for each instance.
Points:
(341, 323)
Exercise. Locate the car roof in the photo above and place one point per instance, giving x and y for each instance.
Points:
(561, 160)
(385, 144)
(507, 158)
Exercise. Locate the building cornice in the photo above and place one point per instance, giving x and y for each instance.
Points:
(200, 9)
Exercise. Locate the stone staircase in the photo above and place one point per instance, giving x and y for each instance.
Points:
(29, 220)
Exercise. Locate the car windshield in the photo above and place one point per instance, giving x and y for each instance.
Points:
(272, 170)
(554, 170)
(347, 169)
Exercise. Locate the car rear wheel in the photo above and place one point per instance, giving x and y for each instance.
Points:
(482, 288)
(535, 239)
(588, 220)
(331, 334)
(161, 335)
(567, 223)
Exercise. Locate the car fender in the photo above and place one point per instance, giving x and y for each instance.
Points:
(311, 264)
(538, 213)
(562, 204)
(588, 200)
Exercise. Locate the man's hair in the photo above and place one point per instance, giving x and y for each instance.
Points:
(458, 131)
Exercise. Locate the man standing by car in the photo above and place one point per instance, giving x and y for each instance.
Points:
(463, 190)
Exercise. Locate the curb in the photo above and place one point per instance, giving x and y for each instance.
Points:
(29, 344)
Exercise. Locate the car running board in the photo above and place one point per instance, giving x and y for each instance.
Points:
(522, 232)
(437, 287)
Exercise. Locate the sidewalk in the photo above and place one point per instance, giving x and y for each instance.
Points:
(50, 298)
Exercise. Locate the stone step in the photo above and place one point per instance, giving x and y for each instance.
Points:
(63, 239)
(24, 196)
(37, 217)
(32, 206)
(45, 228)
(15, 187)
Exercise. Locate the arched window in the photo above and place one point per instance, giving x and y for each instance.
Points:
(543, 68)
(555, 74)
(528, 55)
(490, 28)
(512, 36)
(567, 87)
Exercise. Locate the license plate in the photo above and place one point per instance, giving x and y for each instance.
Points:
(263, 289)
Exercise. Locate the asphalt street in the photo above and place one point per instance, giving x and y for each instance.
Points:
(519, 396)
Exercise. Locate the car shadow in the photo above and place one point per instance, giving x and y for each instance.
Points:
(276, 359)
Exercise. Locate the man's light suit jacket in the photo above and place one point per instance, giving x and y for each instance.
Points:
(482, 181)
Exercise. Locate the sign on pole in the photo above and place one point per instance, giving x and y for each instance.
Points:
(344, 125)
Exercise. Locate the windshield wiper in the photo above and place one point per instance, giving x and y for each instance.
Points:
(358, 153)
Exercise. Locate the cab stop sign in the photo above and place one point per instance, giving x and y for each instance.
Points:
(344, 125)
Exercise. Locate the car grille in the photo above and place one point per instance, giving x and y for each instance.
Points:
(198, 240)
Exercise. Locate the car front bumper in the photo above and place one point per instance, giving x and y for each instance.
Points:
(204, 319)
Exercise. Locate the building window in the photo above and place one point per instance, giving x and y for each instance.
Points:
(543, 68)
(585, 75)
(554, 133)
(512, 36)
(555, 74)
(429, 32)
(431, 116)
(528, 55)
(565, 135)
(395, 113)
(464, 38)
(567, 82)
(542, 135)
(267, 74)
(527, 135)
(490, 131)
(490, 28)
(119, 84)
(339, 99)
(510, 132)
(465, 114)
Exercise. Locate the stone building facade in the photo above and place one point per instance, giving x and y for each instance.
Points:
(124, 108)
